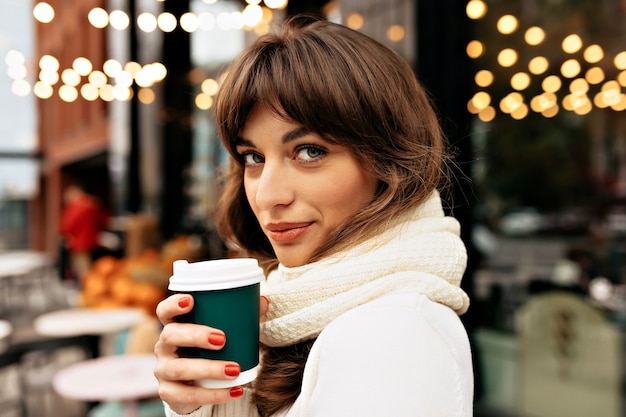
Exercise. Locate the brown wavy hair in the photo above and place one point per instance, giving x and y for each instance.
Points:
(350, 90)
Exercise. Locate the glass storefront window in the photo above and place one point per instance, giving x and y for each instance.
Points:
(549, 135)
(550, 221)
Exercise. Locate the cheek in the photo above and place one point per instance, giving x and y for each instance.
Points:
(250, 190)
(350, 193)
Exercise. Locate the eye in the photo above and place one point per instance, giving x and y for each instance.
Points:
(251, 158)
(309, 153)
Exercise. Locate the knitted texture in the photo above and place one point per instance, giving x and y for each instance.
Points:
(420, 253)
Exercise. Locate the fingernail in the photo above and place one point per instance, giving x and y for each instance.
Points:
(236, 392)
(217, 339)
(183, 302)
(232, 370)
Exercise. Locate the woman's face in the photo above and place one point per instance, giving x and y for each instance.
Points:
(299, 186)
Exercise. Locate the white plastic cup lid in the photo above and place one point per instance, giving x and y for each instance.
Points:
(215, 274)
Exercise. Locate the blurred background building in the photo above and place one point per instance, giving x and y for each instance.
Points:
(116, 96)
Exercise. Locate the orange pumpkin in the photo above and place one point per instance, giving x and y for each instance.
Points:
(105, 265)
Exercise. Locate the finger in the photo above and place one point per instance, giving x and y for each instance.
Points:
(185, 398)
(264, 304)
(173, 306)
(174, 335)
(193, 369)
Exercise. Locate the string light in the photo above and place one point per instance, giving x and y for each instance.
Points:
(43, 90)
(252, 15)
(209, 86)
(507, 24)
(20, 87)
(98, 17)
(551, 84)
(538, 65)
(113, 82)
(395, 33)
(570, 68)
(276, 4)
(68, 93)
(507, 57)
(166, 22)
(578, 99)
(189, 22)
(146, 95)
(594, 75)
(476, 9)
(534, 35)
(119, 20)
(355, 21)
(621, 78)
(483, 78)
(43, 12)
(593, 54)
(520, 81)
(475, 49)
(620, 60)
(487, 114)
(481, 100)
(572, 44)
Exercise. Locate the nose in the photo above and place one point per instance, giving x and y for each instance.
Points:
(274, 187)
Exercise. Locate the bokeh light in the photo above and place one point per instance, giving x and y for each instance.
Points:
(166, 22)
(119, 19)
(43, 12)
(594, 75)
(98, 17)
(355, 21)
(483, 78)
(570, 68)
(538, 65)
(534, 35)
(507, 24)
(507, 57)
(476, 9)
(572, 44)
(475, 49)
(146, 22)
(520, 81)
(593, 54)
(395, 33)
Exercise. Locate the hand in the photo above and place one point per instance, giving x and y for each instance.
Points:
(175, 374)
(264, 304)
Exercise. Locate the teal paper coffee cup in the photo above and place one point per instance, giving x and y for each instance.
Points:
(226, 296)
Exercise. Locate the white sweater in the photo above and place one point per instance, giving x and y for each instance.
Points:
(389, 340)
(401, 355)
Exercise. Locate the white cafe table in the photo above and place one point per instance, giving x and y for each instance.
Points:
(5, 329)
(20, 263)
(125, 378)
(87, 321)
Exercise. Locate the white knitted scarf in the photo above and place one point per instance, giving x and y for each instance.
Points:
(421, 253)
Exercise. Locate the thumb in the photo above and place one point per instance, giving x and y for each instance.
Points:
(265, 302)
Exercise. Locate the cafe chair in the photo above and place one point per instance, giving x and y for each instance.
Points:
(569, 363)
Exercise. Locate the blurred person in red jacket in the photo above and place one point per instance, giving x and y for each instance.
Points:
(82, 220)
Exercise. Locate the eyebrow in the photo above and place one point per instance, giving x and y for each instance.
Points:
(286, 138)
(295, 134)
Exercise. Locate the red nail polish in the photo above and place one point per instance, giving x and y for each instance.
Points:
(236, 392)
(183, 302)
(217, 339)
(232, 370)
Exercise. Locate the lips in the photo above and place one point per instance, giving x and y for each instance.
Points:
(286, 232)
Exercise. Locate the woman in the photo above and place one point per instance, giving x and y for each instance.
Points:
(336, 159)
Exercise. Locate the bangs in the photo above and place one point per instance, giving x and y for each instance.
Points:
(296, 79)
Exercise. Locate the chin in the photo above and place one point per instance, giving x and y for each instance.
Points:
(291, 262)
